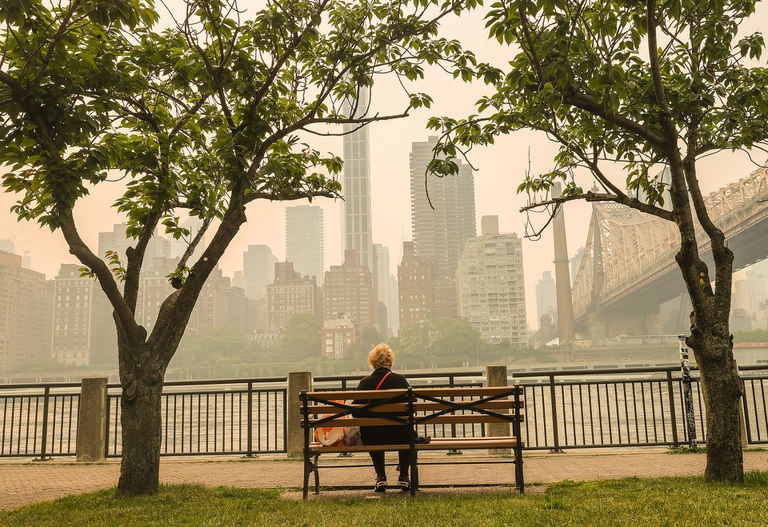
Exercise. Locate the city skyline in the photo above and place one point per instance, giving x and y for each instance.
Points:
(501, 167)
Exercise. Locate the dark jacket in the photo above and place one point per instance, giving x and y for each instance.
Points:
(383, 435)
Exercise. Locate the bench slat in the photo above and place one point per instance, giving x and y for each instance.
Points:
(487, 391)
(442, 444)
(422, 420)
(420, 406)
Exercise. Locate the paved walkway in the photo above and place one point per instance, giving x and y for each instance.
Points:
(25, 481)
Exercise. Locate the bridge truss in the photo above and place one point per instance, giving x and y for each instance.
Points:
(626, 249)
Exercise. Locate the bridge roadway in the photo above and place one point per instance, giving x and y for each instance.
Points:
(746, 236)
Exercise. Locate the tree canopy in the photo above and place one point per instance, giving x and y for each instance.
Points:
(301, 338)
(200, 119)
(444, 338)
(626, 89)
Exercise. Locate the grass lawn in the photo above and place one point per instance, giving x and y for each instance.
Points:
(657, 502)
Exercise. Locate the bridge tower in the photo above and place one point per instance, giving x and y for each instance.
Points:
(565, 324)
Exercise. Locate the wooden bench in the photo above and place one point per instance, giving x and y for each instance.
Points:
(413, 407)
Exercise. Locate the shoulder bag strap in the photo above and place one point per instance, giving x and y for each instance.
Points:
(382, 380)
(380, 383)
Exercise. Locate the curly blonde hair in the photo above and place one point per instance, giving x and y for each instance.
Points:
(381, 356)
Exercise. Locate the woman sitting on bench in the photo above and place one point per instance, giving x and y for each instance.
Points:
(380, 359)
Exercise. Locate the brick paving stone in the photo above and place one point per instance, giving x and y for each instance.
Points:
(24, 481)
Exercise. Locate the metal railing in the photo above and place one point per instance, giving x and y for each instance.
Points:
(563, 409)
(209, 417)
(240, 416)
(38, 419)
(592, 408)
(754, 407)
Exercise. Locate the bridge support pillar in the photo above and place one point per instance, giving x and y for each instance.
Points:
(607, 325)
(653, 323)
(597, 327)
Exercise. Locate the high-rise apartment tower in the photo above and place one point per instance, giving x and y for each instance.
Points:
(491, 290)
(304, 240)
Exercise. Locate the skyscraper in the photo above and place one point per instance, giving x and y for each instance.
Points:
(179, 247)
(304, 240)
(749, 293)
(546, 297)
(394, 306)
(414, 282)
(289, 294)
(118, 242)
(441, 221)
(439, 233)
(258, 270)
(490, 286)
(383, 286)
(356, 207)
(349, 293)
(25, 314)
(84, 331)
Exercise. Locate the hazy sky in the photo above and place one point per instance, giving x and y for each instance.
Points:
(500, 169)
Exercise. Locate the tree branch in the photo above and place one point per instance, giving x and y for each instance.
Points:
(107, 281)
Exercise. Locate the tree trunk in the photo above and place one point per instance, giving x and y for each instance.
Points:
(722, 392)
(141, 420)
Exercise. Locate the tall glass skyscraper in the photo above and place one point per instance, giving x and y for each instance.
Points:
(441, 223)
(304, 245)
(546, 297)
(439, 233)
(258, 270)
(356, 207)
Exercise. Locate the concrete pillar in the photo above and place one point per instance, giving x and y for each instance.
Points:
(497, 376)
(297, 381)
(565, 324)
(653, 322)
(92, 420)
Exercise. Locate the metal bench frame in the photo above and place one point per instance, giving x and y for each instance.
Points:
(411, 407)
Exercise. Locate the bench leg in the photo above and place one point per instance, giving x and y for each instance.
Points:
(519, 481)
(315, 469)
(310, 465)
(307, 463)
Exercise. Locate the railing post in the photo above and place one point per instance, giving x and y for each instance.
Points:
(742, 407)
(497, 376)
(106, 426)
(297, 381)
(553, 401)
(46, 397)
(672, 416)
(250, 453)
(453, 451)
(91, 419)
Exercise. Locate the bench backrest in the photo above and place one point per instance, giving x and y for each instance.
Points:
(414, 406)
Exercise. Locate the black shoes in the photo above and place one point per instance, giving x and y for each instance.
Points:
(381, 484)
(403, 482)
(422, 440)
